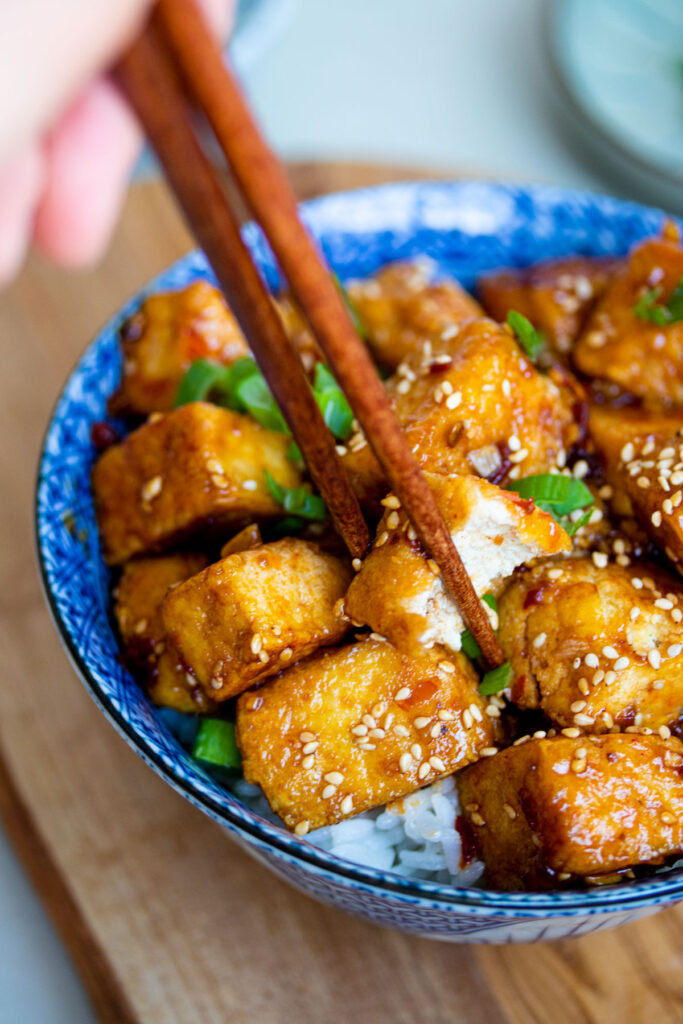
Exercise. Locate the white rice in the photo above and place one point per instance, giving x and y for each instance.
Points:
(415, 836)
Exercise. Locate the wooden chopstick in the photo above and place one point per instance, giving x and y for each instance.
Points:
(154, 89)
(146, 76)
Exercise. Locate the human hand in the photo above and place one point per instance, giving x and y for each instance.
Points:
(68, 140)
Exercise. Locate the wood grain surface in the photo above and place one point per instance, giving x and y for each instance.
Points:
(168, 921)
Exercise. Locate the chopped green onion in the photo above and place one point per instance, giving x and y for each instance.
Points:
(332, 403)
(648, 308)
(469, 644)
(354, 315)
(215, 743)
(205, 380)
(496, 680)
(574, 527)
(296, 500)
(253, 396)
(531, 340)
(564, 493)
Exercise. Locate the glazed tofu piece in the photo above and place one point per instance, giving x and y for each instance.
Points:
(150, 655)
(354, 727)
(476, 404)
(556, 296)
(255, 612)
(198, 469)
(163, 338)
(247, 538)
(596, 645)
(645, 475)
(641, 357)
(401, 308)
(399, 592)
(567, 809)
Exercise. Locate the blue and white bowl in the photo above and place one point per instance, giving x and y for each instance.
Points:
(466, 228)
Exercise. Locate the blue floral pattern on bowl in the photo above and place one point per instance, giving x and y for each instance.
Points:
(466, 228)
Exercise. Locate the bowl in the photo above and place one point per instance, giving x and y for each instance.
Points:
(466, 228)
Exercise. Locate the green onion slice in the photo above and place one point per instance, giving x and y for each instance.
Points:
(354, 315)
(252, 395)
(531, 340)
(563, 494)
(205, 380)
(648, 308)
(496, 680)
(332, 403)
(215, 743)
(296, 500)
(469, 644)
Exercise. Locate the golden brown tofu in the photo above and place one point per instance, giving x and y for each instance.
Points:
(645, 475)
(399, 592)
(566, 809)
(354, 727)
(401, 309)
(556, 296)
(196, 469)
(150, 655)
(476, 405)
(594, 644)
(643, 358)
(162, 340)
(253, 613)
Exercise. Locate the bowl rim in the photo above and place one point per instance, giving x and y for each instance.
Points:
(663, 888)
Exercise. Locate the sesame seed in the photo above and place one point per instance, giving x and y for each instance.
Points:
(599, 559)
(346, 805)
(356, 564)
(218, 481)
(539, 640)
(610, 652)
(492, 711)
(583, 719)
(476, 713)
(422, 722)
(510, 811)
(519, 456)
(643, 482)
(405, 761)
(286, 654)
(658, 684)
(610, 677)
(382, 539)
(416, 751)
(676, 614)
(341, 449)
(677, 478)
(215, 683)
(435, 731)
(301, 828)
(621, 663)
(328, 792)
(401, 730)
(310, 748)
(514, 443)
(664, 731)
(667, 817)
(578, 766)
(378, 637)
(571, 733)
(335, 778)
(393, 519)
(432, 566)
(140, 626)
(377, 734)
(476, 818)
(578, 705)
(468, 721)
(250, 485)
(654, 658)
(634, 613)
(606, 492)
(608, 720)
(214, 466)
(583, 686)
(554, 574)
(256, 643)
(423, 770)
(454, 400)
(369, 721)
(437, 764)
(488, 751)
(597, 677)
(627, 452)
(656, 518)
(637, 583)
(401, 694)
(360, 730)
(664, 603)
(151, 488)
(308, 762)
(674, 650)
(580, 469)
(592, 660)
(391, 501)
(446, 666)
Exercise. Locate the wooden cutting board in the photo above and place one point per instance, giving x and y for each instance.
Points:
(167, 920)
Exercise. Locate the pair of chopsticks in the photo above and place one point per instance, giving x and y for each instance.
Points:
(174, 65)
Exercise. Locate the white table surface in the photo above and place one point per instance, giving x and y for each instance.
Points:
(443, 83)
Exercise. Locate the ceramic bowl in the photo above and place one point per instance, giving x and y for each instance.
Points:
(466, 228)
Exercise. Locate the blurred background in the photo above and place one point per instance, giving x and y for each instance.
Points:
(586, 93)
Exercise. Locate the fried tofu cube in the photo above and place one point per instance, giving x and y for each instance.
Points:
(248, 538)
(149, 654)
(594, 644)
(400, 309)
(646, 477)
(354, 727)
(559, 809)
(255, 612)
(643, 358)
(476, 405)
(399, 592)
(196, 469)
(163, 338)
(555, 295)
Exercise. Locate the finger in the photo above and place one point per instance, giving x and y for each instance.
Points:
(89, 156)
(21, 181)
